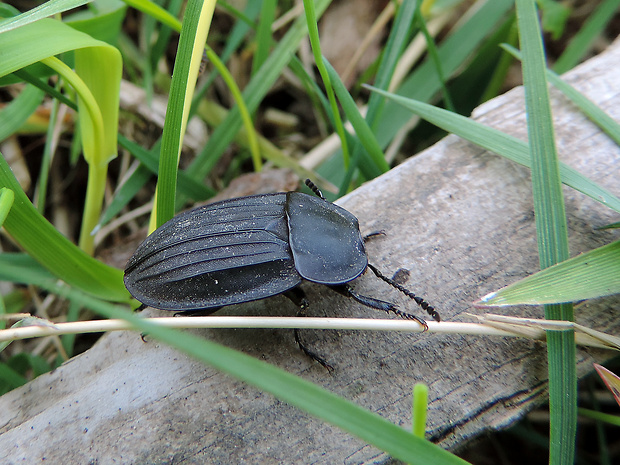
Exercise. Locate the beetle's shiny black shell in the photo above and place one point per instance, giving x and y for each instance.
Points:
(245, 249)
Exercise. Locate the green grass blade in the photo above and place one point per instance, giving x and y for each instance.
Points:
(590, 275)
(7, 197)
(15, 114)
(55, 252)
(590, 109)
(551, 232)
(503, 144)
(613, 420)
(263, 33)
(392, 51)
(96, 80)
(434, 56)
(254, 92)
(313, 34)
(362, 129)
(243, 110)
(196, 22)
(453, 53)
(419, 410)
(588, 33)
(49, 8)
(103, 20)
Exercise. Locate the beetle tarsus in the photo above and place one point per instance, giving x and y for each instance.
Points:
(418, 300)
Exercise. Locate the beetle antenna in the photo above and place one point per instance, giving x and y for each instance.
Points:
(418, 300)
(313, 187)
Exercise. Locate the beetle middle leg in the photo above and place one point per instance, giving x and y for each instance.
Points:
(298, 297)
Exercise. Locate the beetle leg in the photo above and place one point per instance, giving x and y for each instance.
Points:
(198, 312)
(373, 234)
(309, 353)
(298, 297)
(418, 300)
(387, 307)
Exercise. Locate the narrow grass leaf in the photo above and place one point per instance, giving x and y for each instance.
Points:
(307, 396)
(589, 108)
(551, 232)
(591, 29)
(313, 34)
(49, 8)
(362, 129)
(196, 22)
(15, 114)
(590, 275)
(453, 53)
(55, 252)
(263, 33)
(503, 144)
(397, 40)
(253, 94)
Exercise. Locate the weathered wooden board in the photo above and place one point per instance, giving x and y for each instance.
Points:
(458, 218)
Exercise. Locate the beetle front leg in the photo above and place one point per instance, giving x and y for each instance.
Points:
(387, 307)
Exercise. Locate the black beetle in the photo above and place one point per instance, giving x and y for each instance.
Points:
(254, 247)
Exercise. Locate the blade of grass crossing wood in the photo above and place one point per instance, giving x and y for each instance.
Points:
(296, 391)
(590, 109)
(551, 230)
(587, 276)
(503, 144)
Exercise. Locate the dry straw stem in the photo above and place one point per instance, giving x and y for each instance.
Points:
(490, 325)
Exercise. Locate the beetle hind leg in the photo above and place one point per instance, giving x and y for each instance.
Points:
(298, 297)
(309, 353)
